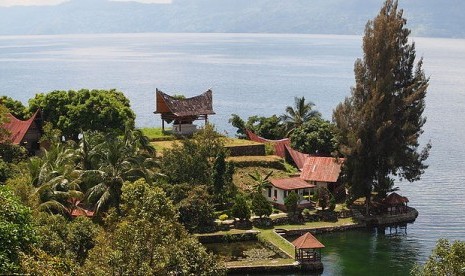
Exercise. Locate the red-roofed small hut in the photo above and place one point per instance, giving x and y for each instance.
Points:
(307, 249)
(24, 133)
(280, 189)
(183, 112)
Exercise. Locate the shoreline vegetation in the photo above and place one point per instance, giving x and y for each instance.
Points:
(93, 195)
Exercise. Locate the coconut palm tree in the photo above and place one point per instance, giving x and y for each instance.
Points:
(114, 161)
(299, 114)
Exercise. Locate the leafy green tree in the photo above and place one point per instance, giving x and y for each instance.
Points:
(315, 136)
(114, 160)
(223, 188)
(240, 209)
(266, 127)
(382, 119)
(447, 259)
(16, 108)
(196, 212)
(148, 240)
(192, 160)
(260, 205)
(16, 231)
(299, 114)
(324, 197)
(291, 202)
(73, 112)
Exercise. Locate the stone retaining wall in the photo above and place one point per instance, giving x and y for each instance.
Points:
(248, 150)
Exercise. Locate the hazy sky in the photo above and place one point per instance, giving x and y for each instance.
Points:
(8, 3)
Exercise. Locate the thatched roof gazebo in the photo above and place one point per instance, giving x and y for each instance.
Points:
(395, 203)
(182, 112)
(307, 249)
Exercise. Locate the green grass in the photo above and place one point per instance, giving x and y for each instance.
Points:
(319, 224)
(156, 133)
(231, 142)
(267, 263)
(271, 236)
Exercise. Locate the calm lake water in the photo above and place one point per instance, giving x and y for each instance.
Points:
(261, 74)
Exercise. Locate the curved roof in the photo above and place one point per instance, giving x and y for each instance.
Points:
(16, 128)
(194, 106)
(307, 241)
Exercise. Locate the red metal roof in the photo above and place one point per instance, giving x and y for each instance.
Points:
(322, 169)
(307, 241)
(298, 157)
(291, 183)
(279, 145)
(17, 128)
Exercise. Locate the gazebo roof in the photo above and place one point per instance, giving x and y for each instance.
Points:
(17, 128)
(307, 241)
(394, 199)
(194, 106)
(291, 183)
(322, 169)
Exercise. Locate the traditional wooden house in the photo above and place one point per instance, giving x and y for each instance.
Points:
(183, 112)
(323, 172)
(307, 249)
(280, 189)
(25, 133)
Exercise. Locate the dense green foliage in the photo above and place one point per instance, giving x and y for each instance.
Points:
(15, 107)
(223, 188)
(196, 212)
(76, 111)
(291, 202)
(266, 127)
(240, 209)
(192, 160)
(315, 136)
(447, 259)
(148, 240)
(260, 205)
(382, 119)
(16, 231)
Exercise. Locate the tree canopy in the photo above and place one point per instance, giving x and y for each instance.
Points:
(73, 112)
(315, 136)
(383, 118)
(299, 114)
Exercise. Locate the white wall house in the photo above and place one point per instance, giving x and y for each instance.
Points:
(280, 188)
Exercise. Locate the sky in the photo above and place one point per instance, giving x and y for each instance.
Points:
(9, 3)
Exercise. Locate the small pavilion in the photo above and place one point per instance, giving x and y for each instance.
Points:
(307, 249)
(182, 112)
(396, 204)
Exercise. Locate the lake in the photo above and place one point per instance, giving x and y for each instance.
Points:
(261, 74)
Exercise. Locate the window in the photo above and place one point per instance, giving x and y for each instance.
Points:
(269, 192)
(275, 193)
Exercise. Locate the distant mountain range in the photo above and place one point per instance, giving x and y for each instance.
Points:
(430, 18)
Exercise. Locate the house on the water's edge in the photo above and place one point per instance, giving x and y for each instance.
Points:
(182, 112)
(317, 172)
(24, 133)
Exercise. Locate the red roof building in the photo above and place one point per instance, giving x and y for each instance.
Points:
(293, 183)
(322, 169)
(25, 133)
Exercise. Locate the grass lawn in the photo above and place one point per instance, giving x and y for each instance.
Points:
(278, 241)
(319, 224)
(156, 133)
(260, 263)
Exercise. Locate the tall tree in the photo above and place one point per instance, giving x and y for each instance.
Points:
(382, 119)
(299, 114)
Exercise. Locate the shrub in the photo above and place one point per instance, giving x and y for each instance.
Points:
(223, 217)
(240, 209)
